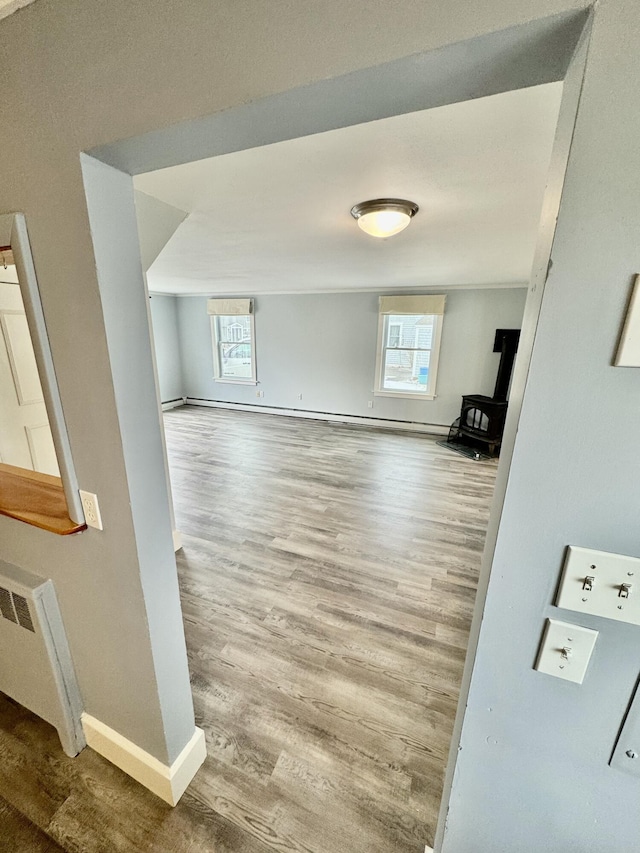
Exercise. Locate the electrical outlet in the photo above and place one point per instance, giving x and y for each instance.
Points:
(299, 396)
(91, 510)
(370, 404)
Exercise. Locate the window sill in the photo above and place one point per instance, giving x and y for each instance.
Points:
(236, 381)
(36, 499)
(408, 395)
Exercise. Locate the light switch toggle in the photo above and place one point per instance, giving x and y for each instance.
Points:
(615, 593)
(565, 650)
(588, 583)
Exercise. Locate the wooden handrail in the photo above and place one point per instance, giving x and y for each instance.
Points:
(36, 499)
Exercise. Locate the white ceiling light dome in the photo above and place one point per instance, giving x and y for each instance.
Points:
(384, 217)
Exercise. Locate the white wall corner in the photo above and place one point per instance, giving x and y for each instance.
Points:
(169, 782)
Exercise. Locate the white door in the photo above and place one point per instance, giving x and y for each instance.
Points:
(25, 435)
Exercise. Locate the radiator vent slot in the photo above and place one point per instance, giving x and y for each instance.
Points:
(15, 608)
(22, 612)
(36, 669)
(6, 605)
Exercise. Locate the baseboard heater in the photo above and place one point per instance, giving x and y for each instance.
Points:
(36, 669)
(311, 414)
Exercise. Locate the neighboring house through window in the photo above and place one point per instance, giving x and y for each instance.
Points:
(395, 333)
(235, 330)
(409, 345)
(233, 335)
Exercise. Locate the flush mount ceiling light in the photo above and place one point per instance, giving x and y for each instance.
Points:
(384, 217)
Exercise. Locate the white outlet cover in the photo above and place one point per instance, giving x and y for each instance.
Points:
(565, 650)
(91, 509)
(609, 572)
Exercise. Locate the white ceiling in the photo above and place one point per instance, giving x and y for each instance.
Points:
(276, 218)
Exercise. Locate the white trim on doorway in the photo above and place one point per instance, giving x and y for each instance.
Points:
(169, 782)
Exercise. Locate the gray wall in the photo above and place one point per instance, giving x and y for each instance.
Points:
(157, 222)
(164, 318)
(323, 346)
(532, 773)
(113, 223)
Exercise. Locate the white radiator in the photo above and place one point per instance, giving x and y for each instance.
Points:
(35, 664)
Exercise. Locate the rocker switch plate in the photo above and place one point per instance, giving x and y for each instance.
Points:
(565, 650)
(601, 584)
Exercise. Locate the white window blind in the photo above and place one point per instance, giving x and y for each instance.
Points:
(409, 335)
(229, 307)
(412, 304)
(233, 330)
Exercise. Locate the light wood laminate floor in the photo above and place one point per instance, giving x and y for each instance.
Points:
(328, 577)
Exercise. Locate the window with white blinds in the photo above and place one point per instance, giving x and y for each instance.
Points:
(409, 334)
(233, 335)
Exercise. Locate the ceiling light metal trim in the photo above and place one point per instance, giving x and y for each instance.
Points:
(407, 208)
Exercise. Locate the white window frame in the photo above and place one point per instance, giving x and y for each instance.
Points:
(235, 339)
(399, 326)
(430, 394)
(217, 367)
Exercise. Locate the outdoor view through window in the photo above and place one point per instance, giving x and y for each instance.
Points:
(408, 340)
(234, 347)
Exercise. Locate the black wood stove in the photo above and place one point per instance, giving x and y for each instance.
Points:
(482, 418)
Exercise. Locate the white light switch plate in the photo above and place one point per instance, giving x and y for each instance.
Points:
(606, 597)
(565, 650)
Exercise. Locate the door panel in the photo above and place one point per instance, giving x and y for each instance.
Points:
(25, 435)
(43, 453)
(21, 358)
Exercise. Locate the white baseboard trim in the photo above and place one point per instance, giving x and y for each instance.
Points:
(173, 404)
(177, 540)
(169, 782)
(428, 849)
(410, 426)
